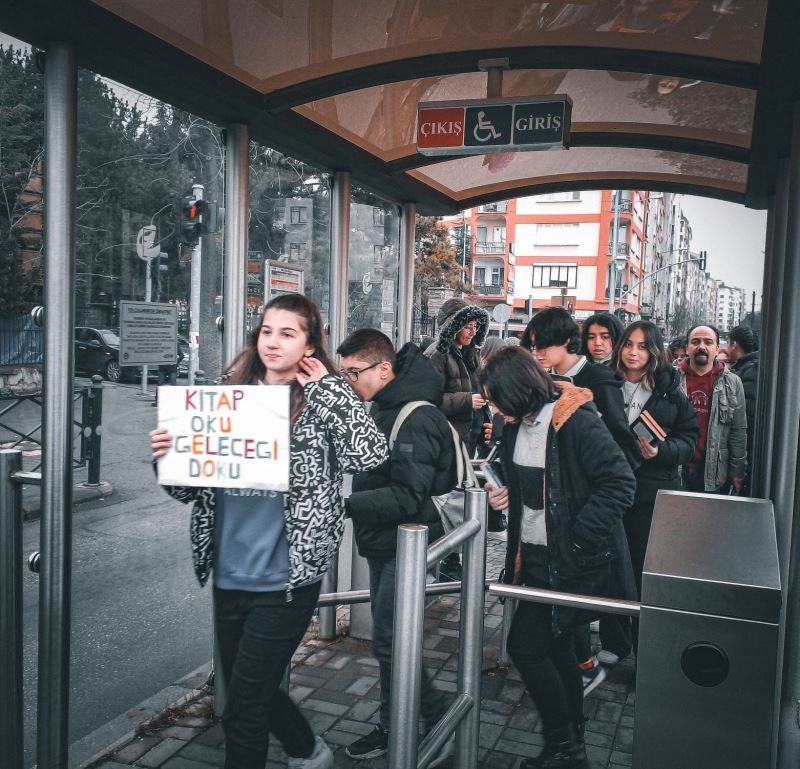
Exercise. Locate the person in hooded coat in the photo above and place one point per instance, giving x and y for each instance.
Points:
(462, 330)
(398, 492)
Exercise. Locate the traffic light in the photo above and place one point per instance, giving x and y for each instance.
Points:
(163, 261)
(193, 212)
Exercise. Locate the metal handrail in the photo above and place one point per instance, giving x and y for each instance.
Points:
(573, 600)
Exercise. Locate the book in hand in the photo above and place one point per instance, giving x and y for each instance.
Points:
(644, 426)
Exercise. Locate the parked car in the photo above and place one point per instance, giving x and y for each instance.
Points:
(97, 352)
(183, 356)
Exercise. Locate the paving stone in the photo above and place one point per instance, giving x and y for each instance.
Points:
(320, 722)
(137, 747)
(493, 718)
(194, 721)
(599, 739)
(524, 719)
(354, 727)
(363, 711)
(621, 759)
(203, 753)
(112, 765)
(214, 736)
(489, 734)
(511, 692)
(602, 727)
(608, 711)
(299, 693)
(362, 685)
(520, 735)
(338, 661)
(624, 739)
(321, 706)
(495, 760)
(186, 763)
(328, 696)
(517, 748)
(597, 756)
(160, 753)
(185, 733)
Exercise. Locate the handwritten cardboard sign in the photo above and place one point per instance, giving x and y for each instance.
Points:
(226, 437)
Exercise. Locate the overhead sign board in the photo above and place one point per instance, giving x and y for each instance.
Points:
(148, 333)
(475, 127)
(282, 278)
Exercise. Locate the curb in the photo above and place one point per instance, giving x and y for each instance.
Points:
(81, 493)
(106, 740)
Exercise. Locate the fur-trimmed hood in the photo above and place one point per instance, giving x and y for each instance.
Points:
(454, 321)
(570, 400)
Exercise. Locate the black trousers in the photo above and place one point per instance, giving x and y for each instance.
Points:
(257, 633)
(546, 664)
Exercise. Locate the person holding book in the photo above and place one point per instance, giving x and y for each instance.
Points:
(663, 421)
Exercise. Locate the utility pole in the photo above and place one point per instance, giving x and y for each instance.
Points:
(194, 297)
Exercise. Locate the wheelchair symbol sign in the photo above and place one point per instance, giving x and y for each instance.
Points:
(488, 126)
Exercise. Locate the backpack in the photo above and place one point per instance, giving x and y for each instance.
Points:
(451, 504)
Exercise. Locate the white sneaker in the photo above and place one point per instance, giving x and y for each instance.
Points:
(607, 658)
(321, 758)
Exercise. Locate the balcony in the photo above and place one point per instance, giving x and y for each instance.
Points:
(488, 289)
(500, 207)
(490, 247)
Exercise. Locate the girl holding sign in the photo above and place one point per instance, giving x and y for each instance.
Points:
(270, 550)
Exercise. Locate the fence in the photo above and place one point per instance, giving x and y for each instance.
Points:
(21, 342)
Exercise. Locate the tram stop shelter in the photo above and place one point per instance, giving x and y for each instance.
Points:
(695, 96)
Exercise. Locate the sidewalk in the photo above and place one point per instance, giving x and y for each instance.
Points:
(336, 685)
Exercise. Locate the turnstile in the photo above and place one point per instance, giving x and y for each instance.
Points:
(708, 637)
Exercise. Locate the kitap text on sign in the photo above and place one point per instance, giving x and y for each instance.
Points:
(226, 437)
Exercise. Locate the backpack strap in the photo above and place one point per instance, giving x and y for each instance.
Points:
(409, 407)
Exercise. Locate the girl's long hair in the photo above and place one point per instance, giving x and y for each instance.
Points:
(248, 368)
(655, 348)
(514, 381)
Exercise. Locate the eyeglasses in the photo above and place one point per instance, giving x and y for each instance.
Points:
(352, 373)
(473, 327)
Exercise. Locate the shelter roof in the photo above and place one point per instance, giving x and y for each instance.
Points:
(692, 95)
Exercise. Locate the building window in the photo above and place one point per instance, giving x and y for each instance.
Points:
(559, 197)
(555, 275)
(298, 252)
(557, 234)
(378, 253)
(480, 276)
(298, 215)
(378, 215)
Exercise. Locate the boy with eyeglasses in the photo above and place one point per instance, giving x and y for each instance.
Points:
(420, 465)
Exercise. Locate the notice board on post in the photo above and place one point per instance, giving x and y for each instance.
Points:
(148, 333)
(226, 437)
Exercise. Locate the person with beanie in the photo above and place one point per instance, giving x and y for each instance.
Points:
(462, 329)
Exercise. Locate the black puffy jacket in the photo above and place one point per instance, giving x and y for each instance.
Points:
(606, 387)
(421, 462)
(589, 487)
(671, 408)
(747, 369)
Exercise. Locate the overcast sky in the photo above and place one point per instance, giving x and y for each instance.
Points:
(734, 237)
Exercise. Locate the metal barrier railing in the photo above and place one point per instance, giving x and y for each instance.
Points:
(87, 428)
(11, 653)
(463, 716)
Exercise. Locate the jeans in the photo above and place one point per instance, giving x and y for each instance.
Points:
(382, 572)
(257, 633)
(546, 664)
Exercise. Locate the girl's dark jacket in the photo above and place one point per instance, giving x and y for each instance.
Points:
(333, 435)
(588, 487)
(671, 408)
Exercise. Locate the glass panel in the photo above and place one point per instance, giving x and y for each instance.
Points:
(383, 118)
(290, 231)
(270, 45)
(373, 264)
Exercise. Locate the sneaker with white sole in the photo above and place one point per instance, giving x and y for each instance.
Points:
(371, 745)
(592, 678)
(607, 658)
(321, 758)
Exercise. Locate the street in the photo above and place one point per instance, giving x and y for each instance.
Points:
(140, 621)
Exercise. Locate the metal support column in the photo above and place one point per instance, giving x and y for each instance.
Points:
(612, 265)
(471, 632)
(340, 247)
(194, 298)
(405, 297)
(59, 322)
(237, 190)
(409, 615)
(770, 341)
(11, 708)
(784, 467)
(327, 614)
